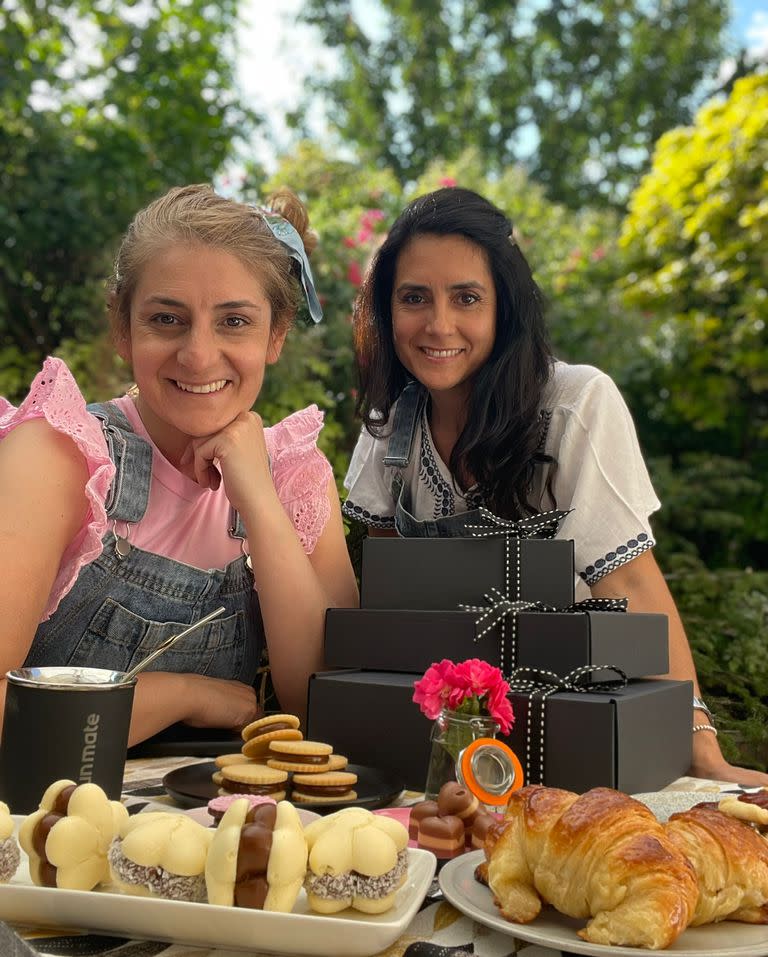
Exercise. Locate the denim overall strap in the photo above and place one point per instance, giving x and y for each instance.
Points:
(400, 445)
(236, 526)
(128, 496)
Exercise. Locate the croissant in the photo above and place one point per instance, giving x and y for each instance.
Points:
(600, 855)
(731, 863)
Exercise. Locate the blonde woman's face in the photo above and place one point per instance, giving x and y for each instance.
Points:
(200, 338)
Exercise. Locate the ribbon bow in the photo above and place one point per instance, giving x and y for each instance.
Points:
(543, 525)
(542, 683)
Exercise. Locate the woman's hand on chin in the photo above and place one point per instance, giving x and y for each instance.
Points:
(237, 455)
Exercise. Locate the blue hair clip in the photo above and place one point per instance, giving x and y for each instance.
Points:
(282, 230)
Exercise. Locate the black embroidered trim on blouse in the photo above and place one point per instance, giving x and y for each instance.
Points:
(361, 514)
(431, 476)
(613, 560)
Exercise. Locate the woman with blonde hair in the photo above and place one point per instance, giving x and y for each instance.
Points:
(123, 522)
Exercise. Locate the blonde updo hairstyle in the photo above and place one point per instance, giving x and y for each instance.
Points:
(196, 215)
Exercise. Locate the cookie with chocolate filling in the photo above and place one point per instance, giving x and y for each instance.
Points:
(68, 839)
(356, 859)
(254, 779)
(161, 854)
(306, 757)
(9, 846)
(274, 727)
(329, 787)
(258, 857)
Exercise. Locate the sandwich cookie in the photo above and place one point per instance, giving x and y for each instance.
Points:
(258, 857)
(275, 727)
(254, 779)
(161, 855)
(356, 859)
(327, 787)
(68, 839)
(223, 760)
(306, 757)
(9, 846)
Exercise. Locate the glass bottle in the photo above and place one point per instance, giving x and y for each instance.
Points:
(451, 734)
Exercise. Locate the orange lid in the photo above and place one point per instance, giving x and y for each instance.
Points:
(490, 770)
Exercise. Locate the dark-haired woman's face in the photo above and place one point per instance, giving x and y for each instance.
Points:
(443, 311)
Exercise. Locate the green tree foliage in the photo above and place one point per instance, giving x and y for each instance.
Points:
(102, 107)
(697, 244)
(580, 90)
(349, 208)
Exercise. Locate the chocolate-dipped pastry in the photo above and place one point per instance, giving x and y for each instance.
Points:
(458, 800)
(68, 838)
(258, 857)
(480, 826)
(419, 811)
(444, 836)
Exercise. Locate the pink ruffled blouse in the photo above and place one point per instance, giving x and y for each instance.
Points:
(183, 521)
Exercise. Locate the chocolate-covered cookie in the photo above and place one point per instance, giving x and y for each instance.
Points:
(444, 836)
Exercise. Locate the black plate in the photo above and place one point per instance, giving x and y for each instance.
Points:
(192, 786)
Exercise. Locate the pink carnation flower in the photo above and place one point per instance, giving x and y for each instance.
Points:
(431, 692)
(446, 685)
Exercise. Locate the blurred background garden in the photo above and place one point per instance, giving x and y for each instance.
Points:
(627, 140)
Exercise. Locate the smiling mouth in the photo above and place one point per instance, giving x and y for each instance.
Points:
(204, 389)
(441, 353)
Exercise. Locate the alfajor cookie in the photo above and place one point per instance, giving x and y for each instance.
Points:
(254, 779)
(356, 859)
(237, 757)
(337, 762)
(327, 787)
(68, 839)
(258, 857)
(306, 757)
(161, 855)
(9, 846)
(274, 727)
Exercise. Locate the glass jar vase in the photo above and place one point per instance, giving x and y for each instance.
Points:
(451, 734)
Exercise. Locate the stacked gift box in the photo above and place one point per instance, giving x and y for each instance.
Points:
(509, 602)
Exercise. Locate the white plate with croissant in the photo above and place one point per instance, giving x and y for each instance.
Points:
(635, 884)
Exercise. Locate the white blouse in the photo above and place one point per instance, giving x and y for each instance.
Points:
(600, 474)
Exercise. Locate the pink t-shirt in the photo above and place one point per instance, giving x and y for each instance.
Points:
(183, 521)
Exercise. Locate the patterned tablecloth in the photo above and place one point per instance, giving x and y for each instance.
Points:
(438, 929)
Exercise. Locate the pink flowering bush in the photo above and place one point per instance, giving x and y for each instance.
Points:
(471, 687)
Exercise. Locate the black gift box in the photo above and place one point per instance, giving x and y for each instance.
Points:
(411, 640)
(371, 718)
(441, 573)
(637, 738)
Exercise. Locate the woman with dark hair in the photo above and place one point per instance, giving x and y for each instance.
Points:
(464, 406)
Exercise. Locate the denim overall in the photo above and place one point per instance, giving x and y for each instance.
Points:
(128, 601)
(408, 411)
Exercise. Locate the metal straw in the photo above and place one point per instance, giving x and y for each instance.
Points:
(130, 675)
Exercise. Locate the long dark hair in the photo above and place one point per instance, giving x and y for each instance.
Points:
(499, 445)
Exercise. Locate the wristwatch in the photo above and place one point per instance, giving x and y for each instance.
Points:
(700, 705)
